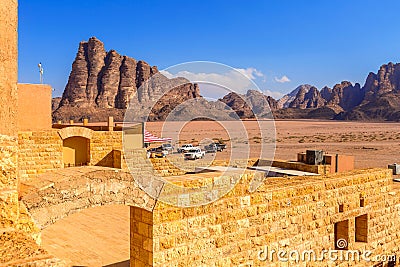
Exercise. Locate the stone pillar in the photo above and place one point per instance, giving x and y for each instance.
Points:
(9, 208)
(85, 122)
(110, 124)
(71, 122)
(9, 67)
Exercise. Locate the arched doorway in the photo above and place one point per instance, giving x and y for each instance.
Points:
(76, 151)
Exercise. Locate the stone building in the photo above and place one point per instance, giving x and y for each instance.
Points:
(351, 214)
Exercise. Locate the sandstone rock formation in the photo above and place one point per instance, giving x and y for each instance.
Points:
(238, 104)
(103, 84)
(378, 99)
(285, 101)
(344, 95)
(381, 99)
(308, 99)
(251, 104)
(55, 103)
(329, 103)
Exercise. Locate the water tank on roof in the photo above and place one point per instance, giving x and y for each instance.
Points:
(395, 167)
(314, 157)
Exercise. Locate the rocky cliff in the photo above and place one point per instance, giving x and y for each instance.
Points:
(381, 96)
(102, 84)
(285, 101)
(377, 100)
(251, 104)
(308, 99)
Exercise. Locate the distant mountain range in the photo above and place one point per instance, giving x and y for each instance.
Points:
(102, 84)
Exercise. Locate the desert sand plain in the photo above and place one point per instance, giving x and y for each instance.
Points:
(100, 236)
(372, 144)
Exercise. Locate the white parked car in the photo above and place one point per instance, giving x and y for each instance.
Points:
(194, 153)
(168, 147)
(185, 148)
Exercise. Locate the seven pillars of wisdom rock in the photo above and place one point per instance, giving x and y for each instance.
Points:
(8, 113)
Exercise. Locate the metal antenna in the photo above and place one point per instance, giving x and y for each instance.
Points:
(41, 72)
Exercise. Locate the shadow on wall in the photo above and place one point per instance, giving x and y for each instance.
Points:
(76, 151)
(111, 160)
(119, 264)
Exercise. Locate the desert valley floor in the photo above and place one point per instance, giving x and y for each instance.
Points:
(100, 236)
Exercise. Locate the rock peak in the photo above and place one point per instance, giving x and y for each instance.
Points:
(104, 83)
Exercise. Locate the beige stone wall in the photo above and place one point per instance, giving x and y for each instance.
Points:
(8, 182)
(320, 169)
(34, 107)
(141, 234)
(9, 210)
(178, 165)
(8, 66)
(39, 151)
(102, 145)
(292, 214)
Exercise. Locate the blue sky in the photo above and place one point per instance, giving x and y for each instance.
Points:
(315, 42)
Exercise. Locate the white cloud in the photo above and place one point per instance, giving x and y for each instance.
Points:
(274, 94)
(283, 79)
(251, 73)
(233, 80)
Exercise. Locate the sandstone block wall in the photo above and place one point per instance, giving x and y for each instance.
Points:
(320, 169)
(8, 181)
(8, 66)
(173, 166)
(102, 145)
(284, 213)
(141, 234)
(39, 151)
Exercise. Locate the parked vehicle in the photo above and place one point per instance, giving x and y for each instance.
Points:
(168, 147)
(211, 148)
(194, 153)
(220, 146)
(157, 152)
(214, 147)
(185, 148)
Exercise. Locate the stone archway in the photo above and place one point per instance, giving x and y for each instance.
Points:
(76, 146)
(75, 131)
(57, 194)
(76, 151)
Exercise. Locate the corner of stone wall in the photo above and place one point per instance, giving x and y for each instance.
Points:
(9, 207)
(141, 236)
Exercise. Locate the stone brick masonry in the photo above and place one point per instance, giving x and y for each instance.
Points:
(39, 152)
(284, 213)
(8, 182)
